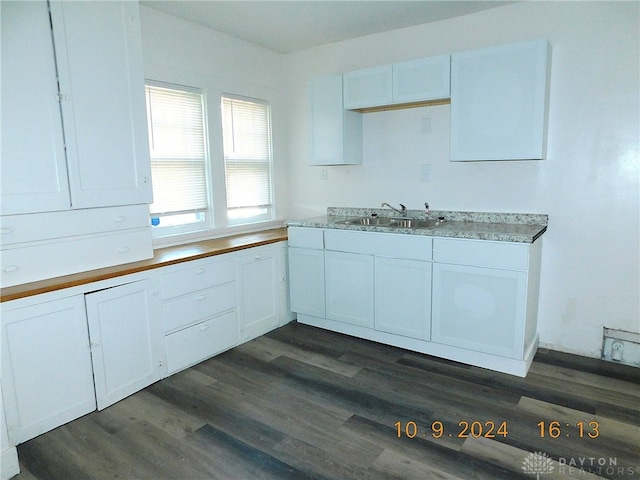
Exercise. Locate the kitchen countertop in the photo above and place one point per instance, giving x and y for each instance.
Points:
(504, 227)
(162, 257)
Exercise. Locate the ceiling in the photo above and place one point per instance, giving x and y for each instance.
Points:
(290, 26)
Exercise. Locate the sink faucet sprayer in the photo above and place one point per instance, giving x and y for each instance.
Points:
(402, 212)
(426, 211)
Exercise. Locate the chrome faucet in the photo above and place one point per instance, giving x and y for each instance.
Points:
(427, 212)
(402, 212)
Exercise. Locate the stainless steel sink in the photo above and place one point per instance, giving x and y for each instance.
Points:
(381, 221)
(391, 222)
(413, 223)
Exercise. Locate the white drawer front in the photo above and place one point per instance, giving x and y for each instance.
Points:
(197, 275)
(303, 237)
(410, 247)
(190, 308)
(481, 253)
(350, 241)
(194, 344)
(78, 254)
(71, 223)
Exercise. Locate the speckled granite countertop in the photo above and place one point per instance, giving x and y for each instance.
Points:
(504, 227)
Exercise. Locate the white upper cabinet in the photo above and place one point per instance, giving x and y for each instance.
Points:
(499, 102)
(99, 59)
(34, 175)
(369, 87)
(336, 133)
(406, 82)
(421, 80)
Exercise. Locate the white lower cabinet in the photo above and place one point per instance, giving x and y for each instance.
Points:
(483, 299)
(307, 292)
(126, 339)
(68, 352)
(349, 287)
(46, 367)
(471, 301)
(262, 275)
(199, 310)
(403, 297)
(193, 344)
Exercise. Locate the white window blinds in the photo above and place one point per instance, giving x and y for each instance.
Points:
(177, 147)
(247, 153)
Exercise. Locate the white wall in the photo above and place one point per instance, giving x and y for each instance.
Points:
(588, 184)
(184, 53)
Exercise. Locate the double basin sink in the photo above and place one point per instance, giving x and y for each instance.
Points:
(391, 222)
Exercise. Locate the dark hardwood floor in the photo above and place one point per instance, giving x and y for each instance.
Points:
(302, 402)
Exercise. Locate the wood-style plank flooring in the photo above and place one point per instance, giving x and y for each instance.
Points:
(301, 402)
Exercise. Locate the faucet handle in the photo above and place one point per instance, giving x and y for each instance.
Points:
(403, 208)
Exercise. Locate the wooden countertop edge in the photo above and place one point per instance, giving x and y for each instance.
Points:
(162, 257)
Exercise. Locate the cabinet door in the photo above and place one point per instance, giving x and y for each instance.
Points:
(306, 281)
(370, 87)
(481, 309)
(336, 134)
(421, 80)
(499, 98)
(125, 327)
(403, 297)
(33, 169)
(99, 58)
(46, 367)
(258, 292)
(349, 288)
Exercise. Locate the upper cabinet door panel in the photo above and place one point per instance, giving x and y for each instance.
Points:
(499, 98)
(34, 175)
(370, 87)
(421, 80)
(99, 55)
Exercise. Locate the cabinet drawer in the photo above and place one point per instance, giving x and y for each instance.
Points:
(197, 275)
(190, 308)
(393, 245)
(348, 241)
(480, 253)
(73, 255)
(196, 343)
(71, 223)
(306, 237)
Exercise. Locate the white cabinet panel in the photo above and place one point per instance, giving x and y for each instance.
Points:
(45, 226)
(349, 288)
(403, 297)
(305, 237)
(197, 275)
(99, 59)
(188, 309)
(194, 344)
(24, 264)
(259, 291)
(369, 87)
(46, 367)
(127, 340)
(33, 169)
(479, 309)
(306, 281)
(481, 253)
(499, 102)
(336, 133)
(421, 80)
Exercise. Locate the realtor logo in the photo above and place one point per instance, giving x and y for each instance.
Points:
(537, 463)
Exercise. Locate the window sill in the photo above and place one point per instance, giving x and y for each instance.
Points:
(180, 239)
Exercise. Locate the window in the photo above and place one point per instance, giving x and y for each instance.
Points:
(177, 144)
(246, 127)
